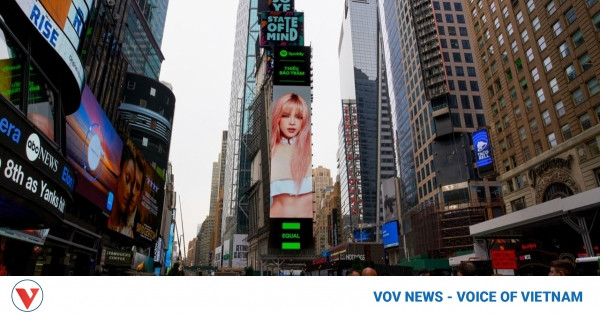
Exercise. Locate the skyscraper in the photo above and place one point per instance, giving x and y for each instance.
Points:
(437, 105)
(366, 154)
(540, 69)
(237, 166)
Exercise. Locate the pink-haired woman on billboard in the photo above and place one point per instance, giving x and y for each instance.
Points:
(291, 158)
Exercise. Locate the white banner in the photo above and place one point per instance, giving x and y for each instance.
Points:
(348, 295)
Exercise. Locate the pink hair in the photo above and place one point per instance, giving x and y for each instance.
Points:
(301, 160)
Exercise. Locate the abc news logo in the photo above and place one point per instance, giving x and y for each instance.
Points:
(27, 295)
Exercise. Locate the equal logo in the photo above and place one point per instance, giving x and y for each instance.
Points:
(35, 150)
(27, 295)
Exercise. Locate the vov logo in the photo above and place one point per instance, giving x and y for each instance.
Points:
(27, 295)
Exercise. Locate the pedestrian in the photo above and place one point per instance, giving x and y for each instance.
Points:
(466, 268)
(352, 272)
(561, 267)
(369, 272)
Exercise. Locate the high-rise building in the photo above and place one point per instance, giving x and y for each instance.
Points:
(322, 187)
(435, 93)
(205, 236)
(366, 154)
(237, 167)
(540, 68)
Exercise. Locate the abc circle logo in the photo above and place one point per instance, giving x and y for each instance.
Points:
(33, 147)
(27, 295)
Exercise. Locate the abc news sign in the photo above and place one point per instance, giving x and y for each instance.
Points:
(31, 166)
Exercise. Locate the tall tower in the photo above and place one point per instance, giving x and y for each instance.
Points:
(366, 154)
(437, 104)
(237, 166)
(540, 67)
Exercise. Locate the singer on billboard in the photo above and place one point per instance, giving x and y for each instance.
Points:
(291, 165)
(130, 185)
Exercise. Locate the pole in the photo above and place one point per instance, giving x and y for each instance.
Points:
(182, 231)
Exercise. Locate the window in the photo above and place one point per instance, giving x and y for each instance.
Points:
(566, 132)
(459, 71)
(536, 24)
(514, 46)
(468, 57)
(477, 102)
(505, 12)
(520, 17)
(546, 117)
(577, 38)
(570, 16)
(571, 72)
(596, 20)
(530, 6)
(474, 13)
(152, 91)
(540, 96)
(462, 85)
(438, 17)
(499, 127)
(591, 2)
(554, 85)
(524, 36)
(548, 64)
(471, 71)
(506, 120)
(519, 64)
(551, 8)
(504, 56)
(441, 30)
(480, 120)
(509, 75)
(526, 154)
(585, 121)
(598, 112)
(487, 35)
(560, 109)
(456, 57)
(593, 86)
(542, 43)
(449, 18)
(535, 75)
(495, 108)
(509, 29)
(493, 7)
(453, 43)
(474, 85)
(528, 106)
(436, 5)
(518, 113)
(447, 6)
(464, 100)
(468, 120)
(538, 147)
(585, 62)
(514, 161)
(455, 120)
(497, 23)
(578, 97)
(557, 27)
(530, 55)
(593, 147)
(513, 93)
(552, 140)
(500, 40)
(523, 83)
(451, 30)
(563, 49)
(533, 126)
(448, 70)
(466, 44)
(522, 133)
(503, 146)
(460, 18)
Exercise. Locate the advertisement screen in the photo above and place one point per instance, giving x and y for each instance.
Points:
(481, 144)
(291, 154)
(390, 204)
(240, 251)
(292, 64)
(275, 5)
(94, 151)
(282, 28)
(114, 176)
(390, 234)
(365, 235)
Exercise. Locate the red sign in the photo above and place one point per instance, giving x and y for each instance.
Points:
(504, 259)
(319, 261)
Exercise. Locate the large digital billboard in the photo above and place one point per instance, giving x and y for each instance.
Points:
(292, 64)
(483, 152)
(282, 28)
(275, 5)
(112, 175)
(390, 234)
(390, 202)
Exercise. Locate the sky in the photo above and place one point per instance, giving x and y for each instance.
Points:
(198, 46)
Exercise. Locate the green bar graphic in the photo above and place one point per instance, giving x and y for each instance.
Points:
(290, 245)
(290, 226)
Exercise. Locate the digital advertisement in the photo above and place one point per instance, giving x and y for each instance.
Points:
(282, 29)
(483, 152)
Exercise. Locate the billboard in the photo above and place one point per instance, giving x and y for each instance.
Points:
(292, 64)
(218, 261)
(240, 251)
(275, 5)
(112, 175)
(61, 24)
(483, 152)
(281, 28)
(390, 234)
(390, 202)
(226, 253)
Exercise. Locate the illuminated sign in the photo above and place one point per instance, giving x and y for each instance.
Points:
(390, 204)
(62, 36)
(504, 259)
(481, 144)
(390, 234)
(292, 65)
(282, 29)
(275, 5)
(117, 257)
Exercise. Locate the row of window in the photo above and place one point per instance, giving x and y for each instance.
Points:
(447, 6)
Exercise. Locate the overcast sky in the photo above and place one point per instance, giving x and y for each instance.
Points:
(198, 48)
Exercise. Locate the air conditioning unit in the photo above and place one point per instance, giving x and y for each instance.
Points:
(110, 3)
